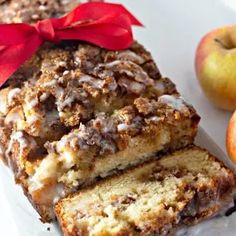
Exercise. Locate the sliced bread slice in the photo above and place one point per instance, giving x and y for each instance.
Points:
(152, 199)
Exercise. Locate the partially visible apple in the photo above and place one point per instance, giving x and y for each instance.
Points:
(215, 63)
(231, 138)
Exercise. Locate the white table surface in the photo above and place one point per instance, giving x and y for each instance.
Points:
(173, 30)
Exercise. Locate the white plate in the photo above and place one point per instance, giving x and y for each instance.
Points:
(173, 29)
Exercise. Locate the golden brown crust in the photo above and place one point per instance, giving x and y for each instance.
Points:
(205, 200)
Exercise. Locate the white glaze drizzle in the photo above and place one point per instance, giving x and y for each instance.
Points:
(172, 101)
(123, 127)
(131, 56)
(19, 137)
(12, 94)
(43, 97)
(66, 103)
(50, 83)
(95, 83)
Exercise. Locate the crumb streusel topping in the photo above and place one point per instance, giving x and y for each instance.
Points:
(72, 85)
(30, 11)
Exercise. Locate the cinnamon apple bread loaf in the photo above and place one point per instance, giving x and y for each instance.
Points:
(76, 112)
(155, 198)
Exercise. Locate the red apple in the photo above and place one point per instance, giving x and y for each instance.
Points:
(231, 138)
(216, 66)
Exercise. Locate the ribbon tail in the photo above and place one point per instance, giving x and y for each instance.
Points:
(13, 56)
(12, 34)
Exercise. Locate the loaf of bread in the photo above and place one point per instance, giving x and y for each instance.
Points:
(155, 198)
(68, 127)
(75, 112)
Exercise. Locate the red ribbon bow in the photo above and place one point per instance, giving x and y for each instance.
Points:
(104, 24)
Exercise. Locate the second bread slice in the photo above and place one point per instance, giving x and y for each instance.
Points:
(152, 199)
